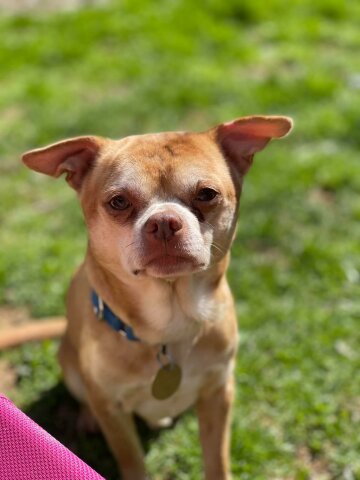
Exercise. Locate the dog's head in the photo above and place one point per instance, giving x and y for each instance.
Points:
(160, 205)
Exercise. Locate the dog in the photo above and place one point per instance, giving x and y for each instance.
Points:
(152, 328)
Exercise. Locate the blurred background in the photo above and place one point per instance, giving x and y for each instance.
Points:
(113, 68)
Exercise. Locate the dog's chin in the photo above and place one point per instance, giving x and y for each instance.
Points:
(170, 266)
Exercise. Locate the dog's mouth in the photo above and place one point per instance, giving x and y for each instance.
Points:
(167, 265)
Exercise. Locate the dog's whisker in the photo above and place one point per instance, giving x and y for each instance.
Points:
(217, 247)
(132, 243)
(208, 223)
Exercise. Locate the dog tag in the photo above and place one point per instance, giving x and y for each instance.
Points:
(166, 382)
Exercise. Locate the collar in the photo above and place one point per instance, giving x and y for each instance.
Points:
(103, 312)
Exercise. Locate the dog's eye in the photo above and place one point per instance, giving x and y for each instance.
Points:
(206, 195)
(119, 203)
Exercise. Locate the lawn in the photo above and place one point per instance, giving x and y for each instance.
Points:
(140, 66)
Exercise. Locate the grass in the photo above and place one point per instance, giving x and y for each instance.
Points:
(140, 66)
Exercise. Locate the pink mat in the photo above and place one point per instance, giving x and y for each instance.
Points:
(27, 452)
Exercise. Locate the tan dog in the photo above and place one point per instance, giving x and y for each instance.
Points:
(161, 211)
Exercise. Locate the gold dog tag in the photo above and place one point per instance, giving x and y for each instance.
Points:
(166, 382)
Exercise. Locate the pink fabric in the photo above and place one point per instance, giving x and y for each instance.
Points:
(27, 452)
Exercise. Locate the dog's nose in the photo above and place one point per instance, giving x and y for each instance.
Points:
(163, 226)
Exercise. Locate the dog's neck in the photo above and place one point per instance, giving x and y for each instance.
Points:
(160, 311)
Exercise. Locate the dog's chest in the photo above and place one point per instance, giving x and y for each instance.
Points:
(184, 327)
(196, 374)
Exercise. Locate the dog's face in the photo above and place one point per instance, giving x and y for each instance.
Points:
(160, 205)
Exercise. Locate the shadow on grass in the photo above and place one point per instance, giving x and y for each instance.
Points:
(57, 412)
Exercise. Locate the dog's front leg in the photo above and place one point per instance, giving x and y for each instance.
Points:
(121, 435)
(214, 410)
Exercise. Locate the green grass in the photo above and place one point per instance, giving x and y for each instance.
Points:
(140, 66)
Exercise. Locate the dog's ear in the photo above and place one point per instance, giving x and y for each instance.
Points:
(73, 157)
(240, 139)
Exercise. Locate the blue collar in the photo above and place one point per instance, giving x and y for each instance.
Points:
(103, 312)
